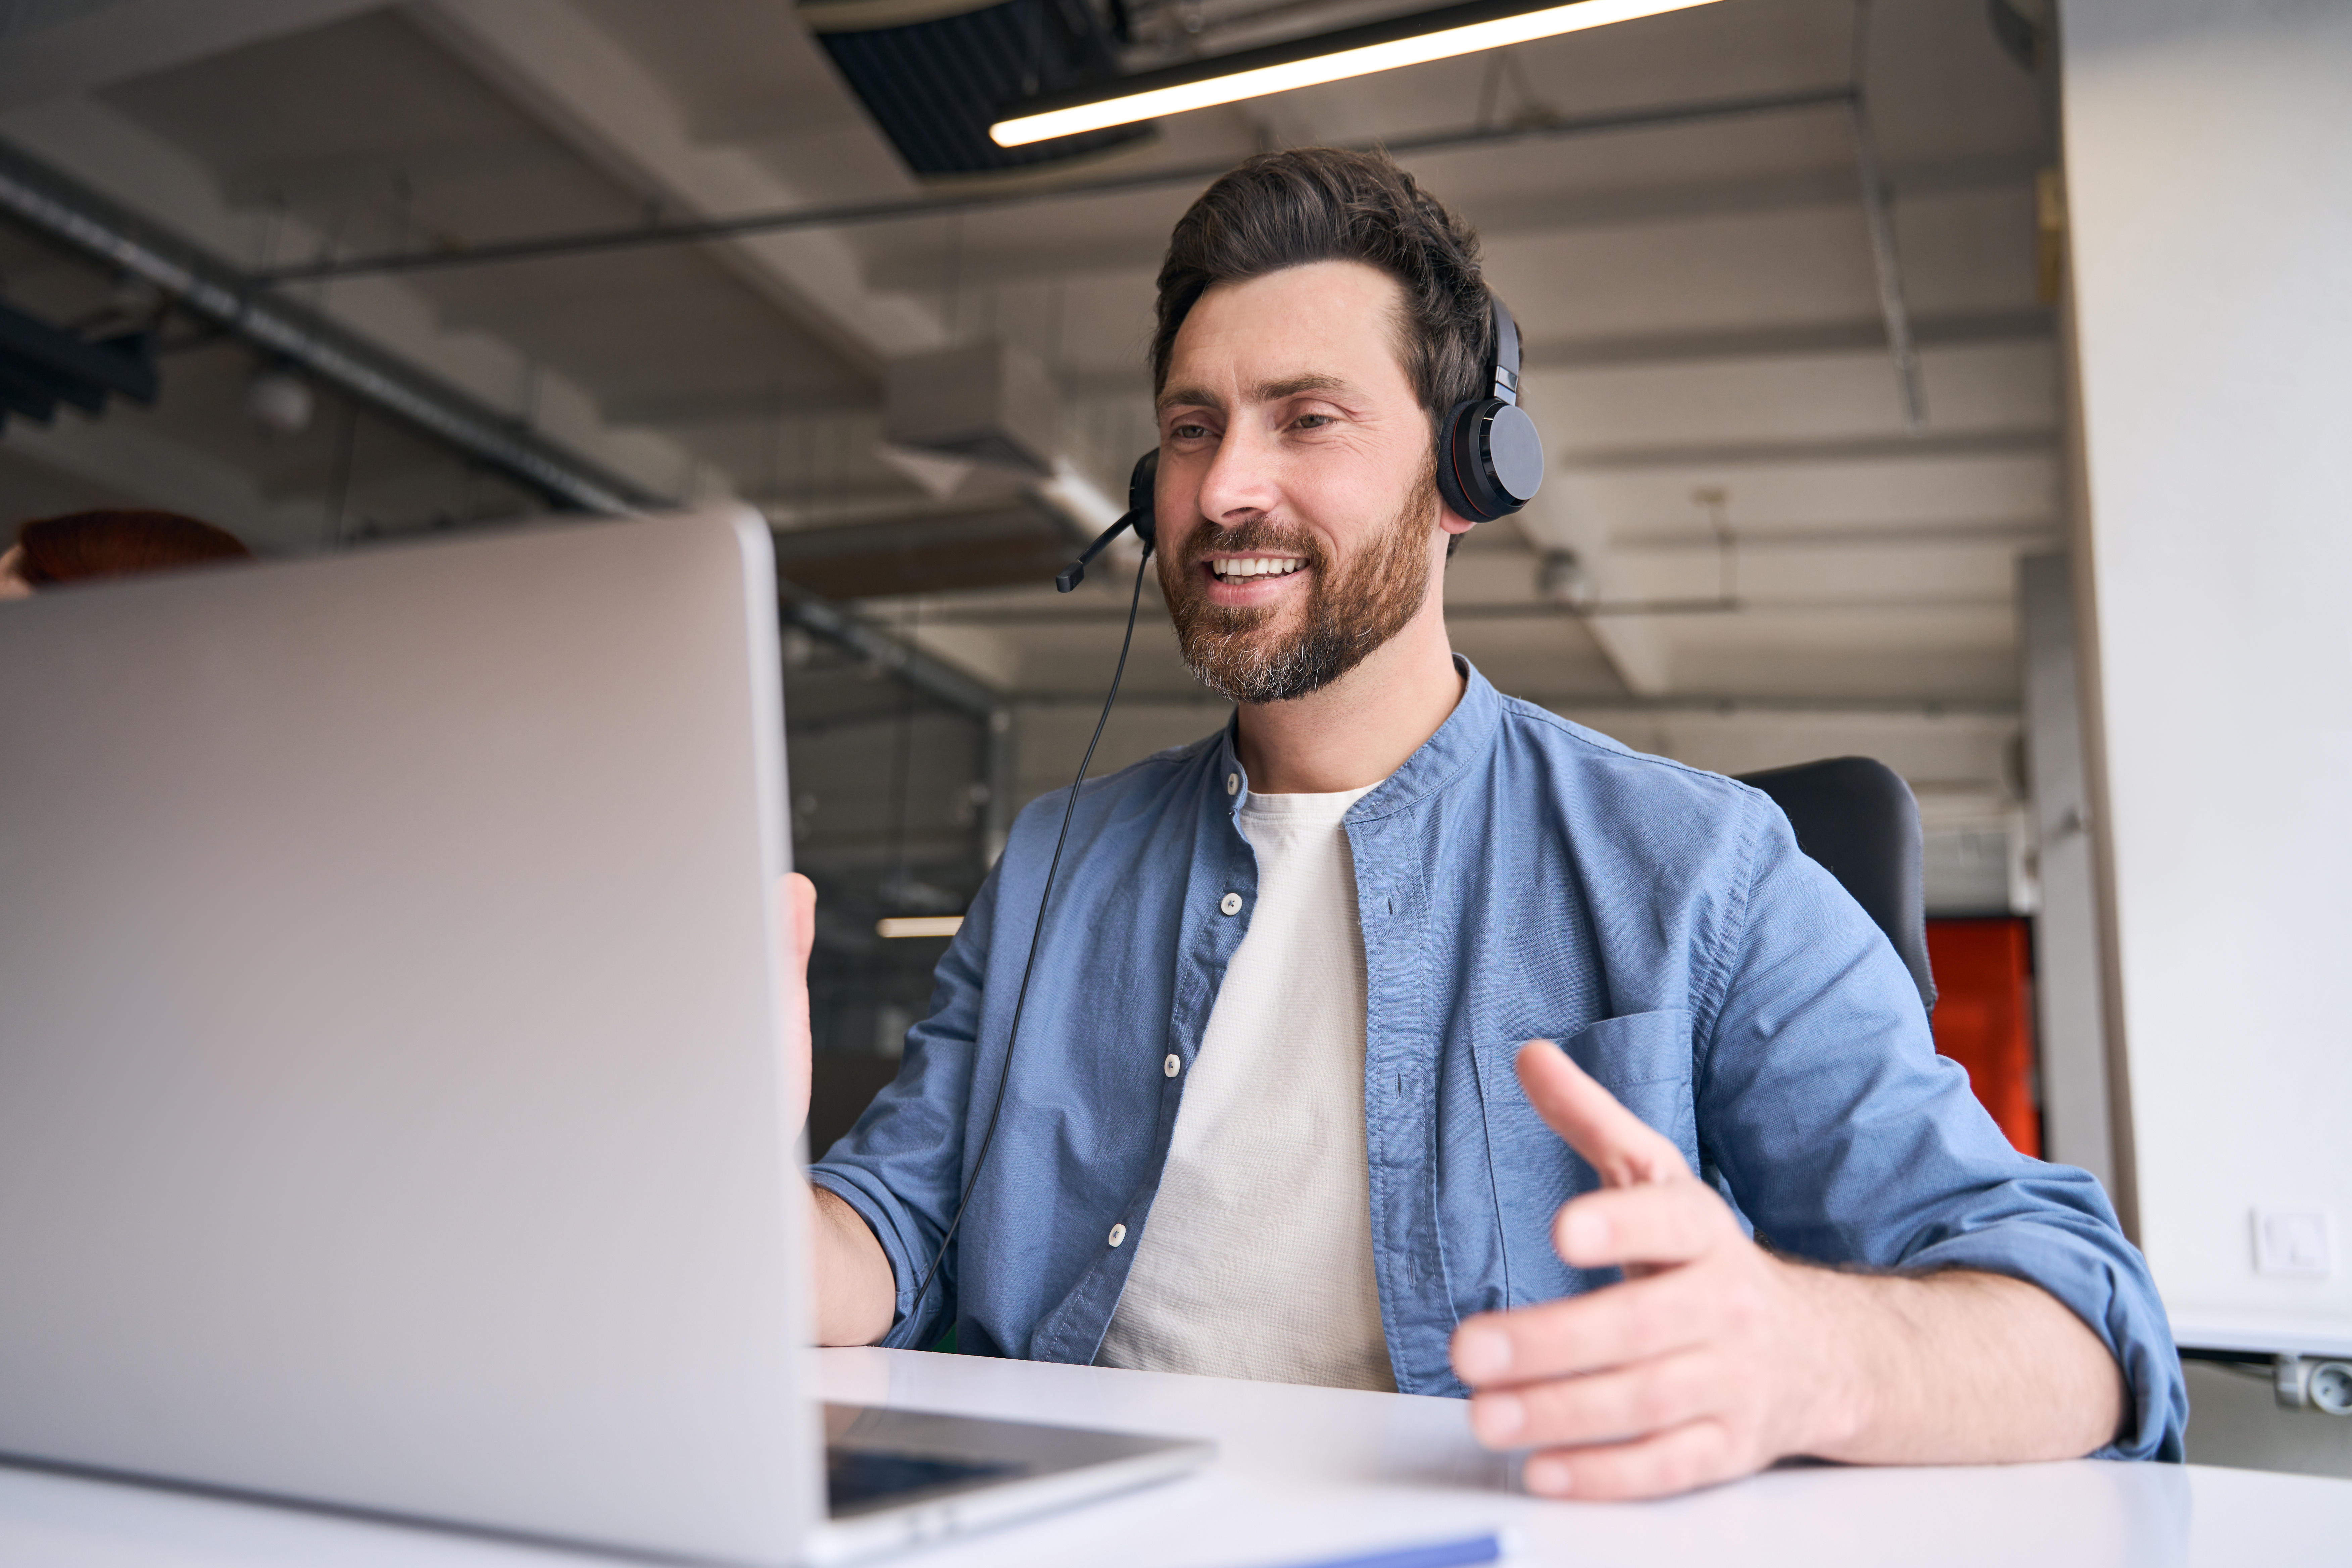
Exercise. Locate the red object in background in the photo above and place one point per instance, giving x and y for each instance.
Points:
(1984, 1016)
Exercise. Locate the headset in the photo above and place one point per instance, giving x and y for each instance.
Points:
(1489, 465)
(1490, 459)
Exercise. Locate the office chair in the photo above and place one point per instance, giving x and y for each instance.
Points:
(1856, 818)
(1854, 815)
(841, 1084)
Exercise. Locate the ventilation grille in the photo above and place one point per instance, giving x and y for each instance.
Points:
(934, 82)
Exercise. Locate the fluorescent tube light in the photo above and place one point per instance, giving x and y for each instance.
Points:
(918, 925)
(1310, 62)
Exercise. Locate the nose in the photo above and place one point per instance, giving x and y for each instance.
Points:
(1242, 481)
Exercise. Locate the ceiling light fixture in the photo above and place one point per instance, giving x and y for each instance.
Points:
(1438, 35)
(918, 925)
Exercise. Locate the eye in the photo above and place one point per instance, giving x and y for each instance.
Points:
(1312, 421)
(1188, 432)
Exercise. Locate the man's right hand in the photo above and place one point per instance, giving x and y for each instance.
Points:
(856, 1296)
(796, 934)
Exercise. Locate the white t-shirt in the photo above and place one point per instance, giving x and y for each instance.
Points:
(1256, 1259)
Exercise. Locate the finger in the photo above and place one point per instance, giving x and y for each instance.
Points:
(796, 910)
(1696, 1454)
(1616, 1326)
(799, 898)
(1619, 1406)
(1624, 1225)
(1614, 1141)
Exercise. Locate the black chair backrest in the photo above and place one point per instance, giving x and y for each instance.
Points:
(841, 1084)
(1856, 818)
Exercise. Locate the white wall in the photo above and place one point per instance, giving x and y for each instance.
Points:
(2076, 1106)
(2209, 167)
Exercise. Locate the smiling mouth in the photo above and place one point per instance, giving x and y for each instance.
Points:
(1253, 568)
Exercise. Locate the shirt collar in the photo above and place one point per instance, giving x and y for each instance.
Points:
(1464, 738)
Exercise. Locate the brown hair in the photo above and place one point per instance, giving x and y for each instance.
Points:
(1280, 210)
(118, 543)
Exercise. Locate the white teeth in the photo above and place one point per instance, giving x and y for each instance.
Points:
(1258, 567)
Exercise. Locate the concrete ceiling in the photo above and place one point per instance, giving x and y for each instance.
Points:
(1769, 538)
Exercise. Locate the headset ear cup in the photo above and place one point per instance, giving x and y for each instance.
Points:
(1490, 456)
(1510, 458)
(1470, 465)
(1451, 488)
(1142, 482)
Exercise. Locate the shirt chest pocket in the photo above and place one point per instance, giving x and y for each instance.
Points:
(1643, 1059)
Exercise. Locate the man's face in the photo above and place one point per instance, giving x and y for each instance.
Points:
(1299, 524)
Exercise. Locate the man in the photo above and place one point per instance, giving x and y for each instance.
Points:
(1271, 1114)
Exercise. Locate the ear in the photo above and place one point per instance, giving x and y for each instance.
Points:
(1448, 518)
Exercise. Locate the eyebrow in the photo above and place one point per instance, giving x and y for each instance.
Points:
(1266, 392)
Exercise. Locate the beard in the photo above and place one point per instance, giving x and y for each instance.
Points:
(1239, 654)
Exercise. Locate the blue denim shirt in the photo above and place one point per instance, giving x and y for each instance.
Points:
(1518, 878)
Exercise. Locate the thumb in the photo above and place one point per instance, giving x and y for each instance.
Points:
(796, 904)
(799, 902)
(1626, 1151)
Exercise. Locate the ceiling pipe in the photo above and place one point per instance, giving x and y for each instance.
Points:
(926, 673)
(1880, 223)
(856, 213)
(54, 204)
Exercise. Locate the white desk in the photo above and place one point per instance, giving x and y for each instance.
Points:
(1305, 1473)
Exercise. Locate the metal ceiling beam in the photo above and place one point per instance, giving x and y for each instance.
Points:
(926, 673)
(1200, 173)
(1864, 336)
(1642, 205)
(1530, 610)
(1878, 218)
(553, 59)
(1701, 704)
(57, 206)
(53, 204)
(2006, 534)
(1860, 449)
(1888, 268)
(49, 51)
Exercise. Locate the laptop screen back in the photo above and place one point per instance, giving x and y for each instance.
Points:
(389, 1114)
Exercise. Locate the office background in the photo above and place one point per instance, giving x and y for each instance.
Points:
(1951, 383)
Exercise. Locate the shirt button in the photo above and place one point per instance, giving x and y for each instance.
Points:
(1230, 903)
(1232, 783)
(1117, 1233)
(1173, 1065)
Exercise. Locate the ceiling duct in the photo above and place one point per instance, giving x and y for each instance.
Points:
(987, 404)
(935, 73)
(987, 545)
(42, 366)
(67, 213)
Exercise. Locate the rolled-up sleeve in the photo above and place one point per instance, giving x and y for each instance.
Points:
(901, 1166)
(1845, 1138)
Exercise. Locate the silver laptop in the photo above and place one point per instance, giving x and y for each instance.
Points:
(389, 1110)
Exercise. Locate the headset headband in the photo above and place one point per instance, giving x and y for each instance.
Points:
(1507, 353)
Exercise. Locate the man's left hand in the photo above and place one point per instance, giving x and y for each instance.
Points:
(1715, 1358)
(1708, 1363)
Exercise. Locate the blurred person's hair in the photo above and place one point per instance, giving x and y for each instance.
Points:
(118, 543)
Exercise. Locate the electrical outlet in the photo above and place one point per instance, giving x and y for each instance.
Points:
(2294, 1242)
